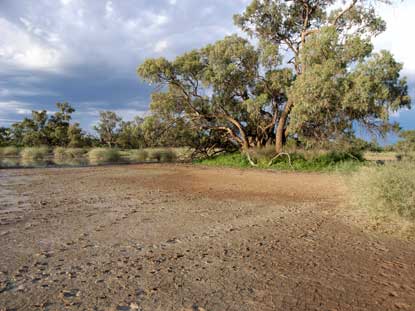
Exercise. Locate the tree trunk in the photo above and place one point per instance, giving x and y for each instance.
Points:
(280, 132)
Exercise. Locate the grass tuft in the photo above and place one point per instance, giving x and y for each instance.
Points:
(139, 155)
(163, 155)
(9, 151)
(103, 155)
(388, 189)
(31, 155)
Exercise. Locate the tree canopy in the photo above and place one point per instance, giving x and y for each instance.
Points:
(313, 75)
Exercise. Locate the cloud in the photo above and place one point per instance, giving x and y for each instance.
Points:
(23, 49)
(398, 37)
(86, 51)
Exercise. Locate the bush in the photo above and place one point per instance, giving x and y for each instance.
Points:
(163, 155)
(59, 153)
(68, 155)
(34, 154)
(9, 151)
(301, 161)
(386, 189)
(140, 155)
(103, 155)
(230, 160)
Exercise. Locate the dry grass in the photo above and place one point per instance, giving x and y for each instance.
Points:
(386, 190)
(34, 154)
(9, 151)
(380, 156)
(103, 155)
(139, 155)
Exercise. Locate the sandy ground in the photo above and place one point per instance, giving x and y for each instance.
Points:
(156, 237)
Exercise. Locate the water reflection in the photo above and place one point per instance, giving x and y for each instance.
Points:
(24, 162)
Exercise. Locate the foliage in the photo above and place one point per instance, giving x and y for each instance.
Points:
(130, 134)
(163, 155)
(34, 154)
(300, 161)
(407, 142)
(255, 96)
(75, 136)
(236, 159)
(386, 189)
(9, 151)
(65, 154)
(103, 155)
(5, 136)
(139, 155)
(40, 129)
(106, 127)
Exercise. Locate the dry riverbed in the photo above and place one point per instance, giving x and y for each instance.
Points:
(166, 237)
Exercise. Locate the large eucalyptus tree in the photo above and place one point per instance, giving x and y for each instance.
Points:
(313, 74)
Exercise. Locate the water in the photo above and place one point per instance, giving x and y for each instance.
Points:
(15, 162)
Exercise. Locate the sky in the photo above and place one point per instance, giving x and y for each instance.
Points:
(86, 52)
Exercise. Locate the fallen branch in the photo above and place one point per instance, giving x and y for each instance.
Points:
(250, 160)
(279, 155)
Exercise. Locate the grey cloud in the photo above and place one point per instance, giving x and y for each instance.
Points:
(86, 51)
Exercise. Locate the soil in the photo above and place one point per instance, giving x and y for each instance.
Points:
(177, 237)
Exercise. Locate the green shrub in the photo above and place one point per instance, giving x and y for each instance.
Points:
(140, 155)
(386, 189)
(316, 161)
(34, 154)
(9, 151)
(103, 155)
(230, 160)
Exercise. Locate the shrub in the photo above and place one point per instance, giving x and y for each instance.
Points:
(59, 153)
(34, 154)
(9, 151)
(75, 153)
(103, 155)
(231, 160)
(386, 189)
(140, 155)
(161, 155)
(69, 155)
(9, 162)
(301, 161)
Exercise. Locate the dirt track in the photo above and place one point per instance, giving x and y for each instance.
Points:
(182, 238)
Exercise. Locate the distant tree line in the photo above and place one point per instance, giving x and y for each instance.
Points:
(143, 132)
(58, 130)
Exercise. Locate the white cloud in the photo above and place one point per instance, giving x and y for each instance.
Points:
(66, 2)
(398, 36)
(161, 46)
(19, 49)
(109, 9)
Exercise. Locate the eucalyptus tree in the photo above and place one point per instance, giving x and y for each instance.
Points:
(338, 80)
(107, 127)
(58, 125)
(219, 88)
(130, 134)
(313, 75)
(5, 136)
